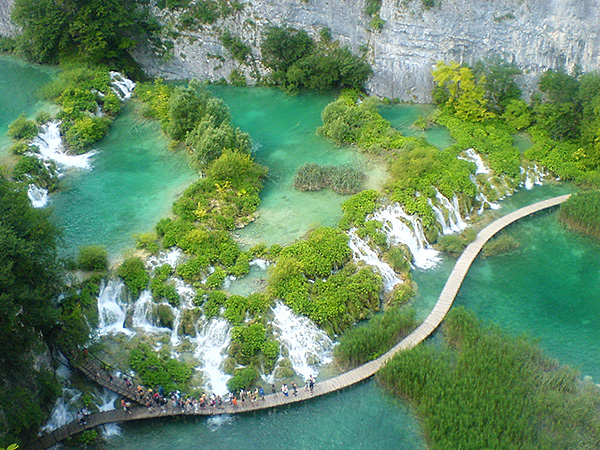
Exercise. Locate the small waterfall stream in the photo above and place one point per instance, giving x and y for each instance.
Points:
(211, 341)
(307, 345)
(51, 148)
(37, 196)
(112, 309)
(363, 252)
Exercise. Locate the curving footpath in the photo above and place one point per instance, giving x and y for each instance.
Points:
(433, 320)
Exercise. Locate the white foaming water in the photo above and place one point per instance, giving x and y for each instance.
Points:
(363, 252)
(472, 156)
(51, 148)
(112, 310)
(396, 226)
(534, 175)
(107, 399)
(63, 411)
(307, 345)
(142, 313)
(262, 264)
(453, 223)
(186, 294)
(121, 86)
(215, 422)
(37, 196)
(171, 257)
(211, 342)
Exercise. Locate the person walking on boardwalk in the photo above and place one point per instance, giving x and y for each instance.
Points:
(261, 392)
(295, 389)
(284, 390)
(311, 383)
(273, 390)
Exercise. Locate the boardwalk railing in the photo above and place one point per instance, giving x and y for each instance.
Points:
(433, 320)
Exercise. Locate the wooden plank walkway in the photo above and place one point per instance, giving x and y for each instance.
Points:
(433, 320)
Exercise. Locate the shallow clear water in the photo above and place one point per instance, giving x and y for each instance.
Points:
(282, 129)
(133, 183)
(363, 417)
(403, 116)
(19, 83)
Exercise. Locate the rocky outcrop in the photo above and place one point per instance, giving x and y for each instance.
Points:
(6, 26)
(535, 34)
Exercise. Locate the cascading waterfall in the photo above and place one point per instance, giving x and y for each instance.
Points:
(396, 226)
(37, 196)
(454, 222)
(212, 341)
(51, 148)
(142, 313)
(120, 85)
(112, 310)
(107, 403)
(472, 156)
(307, 345)
(262, 264)
(363, 252)
(186, 294)
(64, 410)
(533, 175)
(172, 257)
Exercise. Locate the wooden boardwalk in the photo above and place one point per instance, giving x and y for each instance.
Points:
(433, 320)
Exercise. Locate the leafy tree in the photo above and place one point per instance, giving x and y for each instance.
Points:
(500, 84)
(186, 109)
(133, 273)
(461, 92)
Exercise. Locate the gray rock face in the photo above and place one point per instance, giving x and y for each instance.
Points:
(6, 27)
(535, 34)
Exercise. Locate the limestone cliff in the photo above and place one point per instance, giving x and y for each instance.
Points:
(535, 34)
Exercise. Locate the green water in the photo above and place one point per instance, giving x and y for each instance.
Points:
(133, 183)
(403, 116)
(19, 82)
(282, 129)
(363, 417)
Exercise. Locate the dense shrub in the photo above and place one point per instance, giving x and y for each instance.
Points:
(93, 257)
(21, 128)
(300, 63)
(158, 369)
(133, 273)
(238, 49)
(242, 379)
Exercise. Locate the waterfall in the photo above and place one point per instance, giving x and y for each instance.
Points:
(37, 196)
(107, 399)
(142, 312)
(111, 308)
(172, 257)
(454, 222)
(307, 345)
(396, 226)
(120, 85)
(474, 157)
(362, 251)
(533, 175)
(262, 264)
(51, 148)
(212, 341)
(64, 410)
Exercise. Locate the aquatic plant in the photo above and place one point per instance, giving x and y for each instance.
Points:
(92, 257)
(367, 341)
(581, 212)
(343, 179)
(133, 272)
(483, 388)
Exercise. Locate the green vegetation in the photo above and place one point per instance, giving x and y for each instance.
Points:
(500, 245)
(134, 275)
(22, 129)
(91, 31)
(341, 179)
(238, 49)
(314, 277)
(581, 212)
(485, 389)
(93, 257)
(415, 166)
(80, 91)
(30, 282)
(158, 369)
(298, 62)
(372, 8)
(161, 288)
(365, 342)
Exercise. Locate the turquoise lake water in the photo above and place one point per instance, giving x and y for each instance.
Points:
(549, 288)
